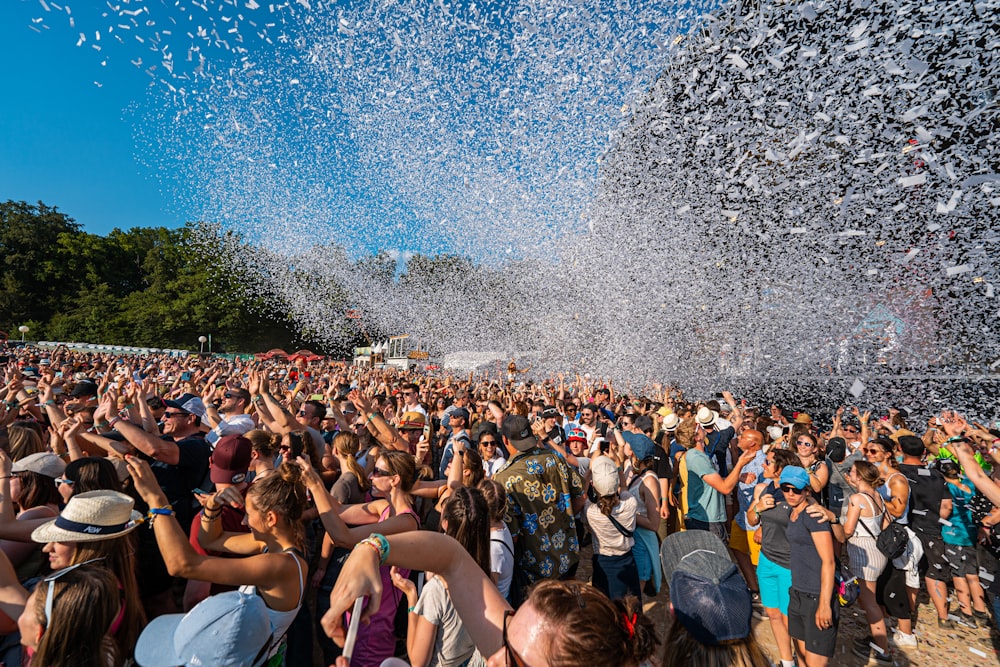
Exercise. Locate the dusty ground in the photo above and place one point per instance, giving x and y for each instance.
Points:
(937, 648)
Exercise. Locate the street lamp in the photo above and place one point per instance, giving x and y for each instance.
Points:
(202, 340)
(23, 329)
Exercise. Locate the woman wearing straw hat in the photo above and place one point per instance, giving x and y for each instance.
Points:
(96, 526)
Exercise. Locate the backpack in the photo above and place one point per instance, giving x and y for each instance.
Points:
(892, 540)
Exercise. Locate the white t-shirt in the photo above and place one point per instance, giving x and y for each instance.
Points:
(452, 644)
(502, 558)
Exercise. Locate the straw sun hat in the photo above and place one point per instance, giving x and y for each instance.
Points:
(90, 517)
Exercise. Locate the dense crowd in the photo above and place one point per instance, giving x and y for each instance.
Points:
(168, 511)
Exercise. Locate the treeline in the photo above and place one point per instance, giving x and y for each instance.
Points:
(149, 287)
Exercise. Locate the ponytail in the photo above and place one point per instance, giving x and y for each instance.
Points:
(347, 444)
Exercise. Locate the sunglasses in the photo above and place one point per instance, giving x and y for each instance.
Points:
(871, 451)
(301, 413)
(513, 659)
(788, 488)
(379, 472)
(51, 580)
(63, 480)
(805, 443)
(488, 443)
(169, 415)
(230, 394)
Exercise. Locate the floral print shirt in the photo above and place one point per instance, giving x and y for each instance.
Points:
(540, 488)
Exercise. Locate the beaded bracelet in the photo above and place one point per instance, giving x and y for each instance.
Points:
(381, 546)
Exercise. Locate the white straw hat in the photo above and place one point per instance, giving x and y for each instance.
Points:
(91, 517)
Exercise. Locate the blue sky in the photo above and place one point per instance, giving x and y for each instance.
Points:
(71, 143)
(63, 139)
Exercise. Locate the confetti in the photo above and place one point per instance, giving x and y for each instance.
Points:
(791, 152)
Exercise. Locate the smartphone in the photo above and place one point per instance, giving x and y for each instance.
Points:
(186, 376)
(427, 431)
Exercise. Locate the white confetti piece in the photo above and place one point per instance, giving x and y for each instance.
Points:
(857, 388)
(961, 268)
(910, 181)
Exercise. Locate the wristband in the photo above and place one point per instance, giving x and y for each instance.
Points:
(409, 610)
(166, 510)
(378, 542)
(114, 420)
(371, 417)
(49, 402)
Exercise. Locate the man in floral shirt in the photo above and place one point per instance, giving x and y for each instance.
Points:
(543, 494)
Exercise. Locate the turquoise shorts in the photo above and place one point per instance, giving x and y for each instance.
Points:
(775, 582)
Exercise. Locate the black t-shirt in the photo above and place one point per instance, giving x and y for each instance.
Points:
(807, 566)
(664, 466)
(927, 489)
(179, 481)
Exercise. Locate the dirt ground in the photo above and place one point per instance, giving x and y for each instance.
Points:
(937, 648)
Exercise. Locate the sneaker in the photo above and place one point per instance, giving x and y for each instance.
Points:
(903, 640)
(982, 616)
(945, 624)
(967, 620)
(863, 652)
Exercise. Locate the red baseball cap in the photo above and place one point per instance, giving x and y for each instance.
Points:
(231, 460)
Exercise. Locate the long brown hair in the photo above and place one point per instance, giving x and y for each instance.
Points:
(468, 518)
(681, 649)
(84, 605)
(119, 558)
(37, 490)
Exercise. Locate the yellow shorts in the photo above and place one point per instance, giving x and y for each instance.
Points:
(742, 540)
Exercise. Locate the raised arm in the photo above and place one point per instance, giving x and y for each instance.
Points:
(477, 601)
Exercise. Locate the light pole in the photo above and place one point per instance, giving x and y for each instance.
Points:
(202, 340)
(23, 329)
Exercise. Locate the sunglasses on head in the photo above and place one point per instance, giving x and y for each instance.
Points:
(51, 581)
(788, 488)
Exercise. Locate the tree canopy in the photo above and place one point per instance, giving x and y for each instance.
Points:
(152, 287)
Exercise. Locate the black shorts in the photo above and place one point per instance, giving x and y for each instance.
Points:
(890, 592)
(934, 565)
(962, 561)
(802, 623)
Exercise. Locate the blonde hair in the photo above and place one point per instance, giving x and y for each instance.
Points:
(347, 444)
